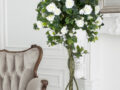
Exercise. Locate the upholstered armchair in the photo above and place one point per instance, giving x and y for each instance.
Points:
(18, 70)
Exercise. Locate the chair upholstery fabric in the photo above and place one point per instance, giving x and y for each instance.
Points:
(17, 68)
(34, 84)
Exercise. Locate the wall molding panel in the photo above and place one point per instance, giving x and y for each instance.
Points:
(112, 24)
(1, 24)
(104, 53)
(55, 77)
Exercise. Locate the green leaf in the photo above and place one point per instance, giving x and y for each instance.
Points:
(74, 39)
(96, 38)
(43, 10)
(81, 49)
(85, 51)
(44, 24)
(35, 26)
(70, 41)
(53, 43)
(69, 11)
(67, 20)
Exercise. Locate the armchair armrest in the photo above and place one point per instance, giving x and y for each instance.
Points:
(37, 84)
(44, 84)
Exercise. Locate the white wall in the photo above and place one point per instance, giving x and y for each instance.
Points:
(105, 56)
(16, 33)
(101, 68)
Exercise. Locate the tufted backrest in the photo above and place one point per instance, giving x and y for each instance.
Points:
(18, 68)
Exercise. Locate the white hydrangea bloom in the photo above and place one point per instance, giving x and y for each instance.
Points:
(80, 23)
(39, 24)
(51, 32)
(69, 3)
(64, 30)
(57, 11)
(87, 9)
(81, 11)
(51, 7)
(99, 21)
(50, 18)
(97, 9)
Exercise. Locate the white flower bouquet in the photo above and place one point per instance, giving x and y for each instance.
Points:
(65, 20)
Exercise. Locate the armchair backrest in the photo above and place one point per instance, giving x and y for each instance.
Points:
(17, 68)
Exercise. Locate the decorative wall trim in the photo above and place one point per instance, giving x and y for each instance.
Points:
(53, 75)
(108, 9)
(85, 84)
(1, 24)
(6, 34)
(112, 24)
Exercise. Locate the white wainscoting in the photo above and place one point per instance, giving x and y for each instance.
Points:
(17, 33)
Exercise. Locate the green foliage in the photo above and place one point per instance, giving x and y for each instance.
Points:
(66, 22)
(67, 18)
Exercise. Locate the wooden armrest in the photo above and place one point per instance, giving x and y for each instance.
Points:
(44, 84)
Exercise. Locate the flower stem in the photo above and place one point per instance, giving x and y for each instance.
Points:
(71, 67)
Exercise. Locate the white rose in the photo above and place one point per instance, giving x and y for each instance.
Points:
(69, 3)
(97, 9)
(51, 33)
(90, 17)
(57, 11)
(82, 18)
(99, 21)
(71, 34)
(86, 23)
(39, 24)
(81, 11)
(58, 34)
(64, 37)
(51, 7)
(87, 9)
(80, 23)
(74, 30)
(50, 18)
(64, 30)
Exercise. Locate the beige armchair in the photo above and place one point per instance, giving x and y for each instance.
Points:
(18, 70)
